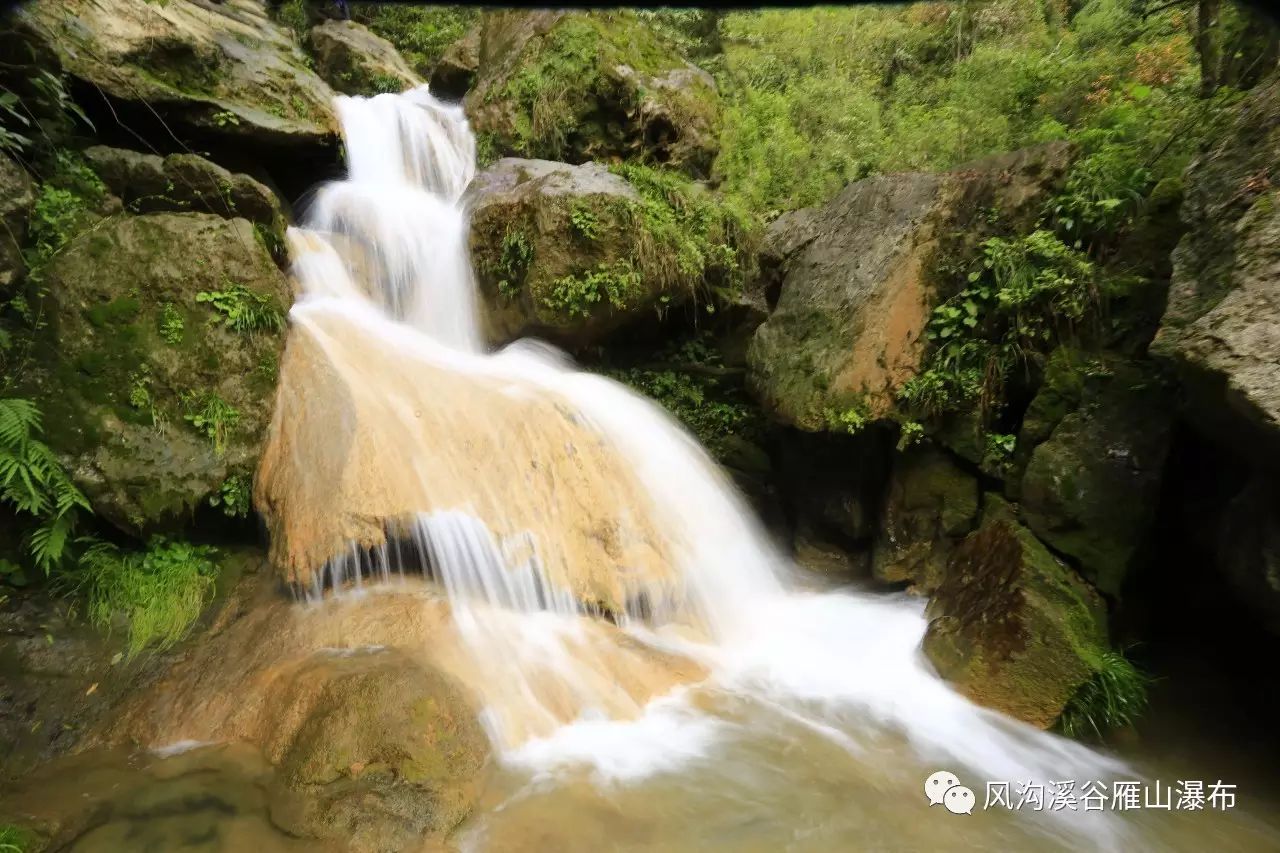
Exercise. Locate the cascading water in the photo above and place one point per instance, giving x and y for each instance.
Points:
(539, 495)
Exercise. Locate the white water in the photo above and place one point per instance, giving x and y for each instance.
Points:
(840, 666)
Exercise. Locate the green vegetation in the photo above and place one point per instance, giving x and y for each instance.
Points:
(244, 310)
(932, 85)
(63, 209)
(212, 416)
(513, 263)
(584, 222)
(233, 496)
(1114, 698)
(851, 420)
(13, 839)
(691, 240)
(171, 326)
(420, 33)
(159, 592)
(614, 284)
(33, 483)
(1025, 296)
(689, 380)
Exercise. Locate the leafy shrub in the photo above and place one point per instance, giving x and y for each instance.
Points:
(1026, 294)
(159, 592)
(244, 310)
(233, 496)
(33, 483)
(513, 262)
(420, 33)
(171, 326)
(579, 295)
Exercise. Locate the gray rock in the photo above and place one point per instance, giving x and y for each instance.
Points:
(357, 62)
(147, 183)
(224, 69)
(1221, 328)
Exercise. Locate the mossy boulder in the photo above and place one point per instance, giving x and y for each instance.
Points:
(224, 70)
(572, 253)
(389, 750)
(147, 183)
(158, 360)
(1096, 438)
(1220, 328)
(17, 194)
(355, 61)
(931, 503)
(1012, 627)
(582, 86)
(854, 282)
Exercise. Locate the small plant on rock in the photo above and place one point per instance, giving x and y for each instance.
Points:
(244, 310)
(1114, 698)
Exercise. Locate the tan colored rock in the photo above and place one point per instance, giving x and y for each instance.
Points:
(389, 432)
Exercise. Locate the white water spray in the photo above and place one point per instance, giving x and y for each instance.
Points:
(384, 258)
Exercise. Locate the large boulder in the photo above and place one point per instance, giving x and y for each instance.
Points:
(582, 86)
(1011, 627)
(17, 194)
(855, 281)
(931, 503)
(1092, 480)
(158, 361)
(1221, 328)
(357, 62)
(147, 183)
(571, 253)
(224, 70)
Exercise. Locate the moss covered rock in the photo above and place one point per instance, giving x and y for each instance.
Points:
(357, 62)
(147, 183)
(1011, 627)
(1221, 328)
(225, 70)
(389, 750)
(1097, 434)
(158, 361)
(931, 503)
(573, 252)
(17, 194)
(584, 86)
(855, 281)
(455, 72)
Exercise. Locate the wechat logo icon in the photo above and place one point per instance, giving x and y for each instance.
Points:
(943, 788)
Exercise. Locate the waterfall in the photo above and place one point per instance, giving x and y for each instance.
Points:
(539, 496)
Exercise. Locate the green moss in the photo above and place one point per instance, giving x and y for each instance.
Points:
(122, 310)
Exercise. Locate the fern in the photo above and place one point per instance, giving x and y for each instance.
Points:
(32, 481)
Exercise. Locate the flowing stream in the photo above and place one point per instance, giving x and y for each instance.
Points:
(815, 718)
(733, 706)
